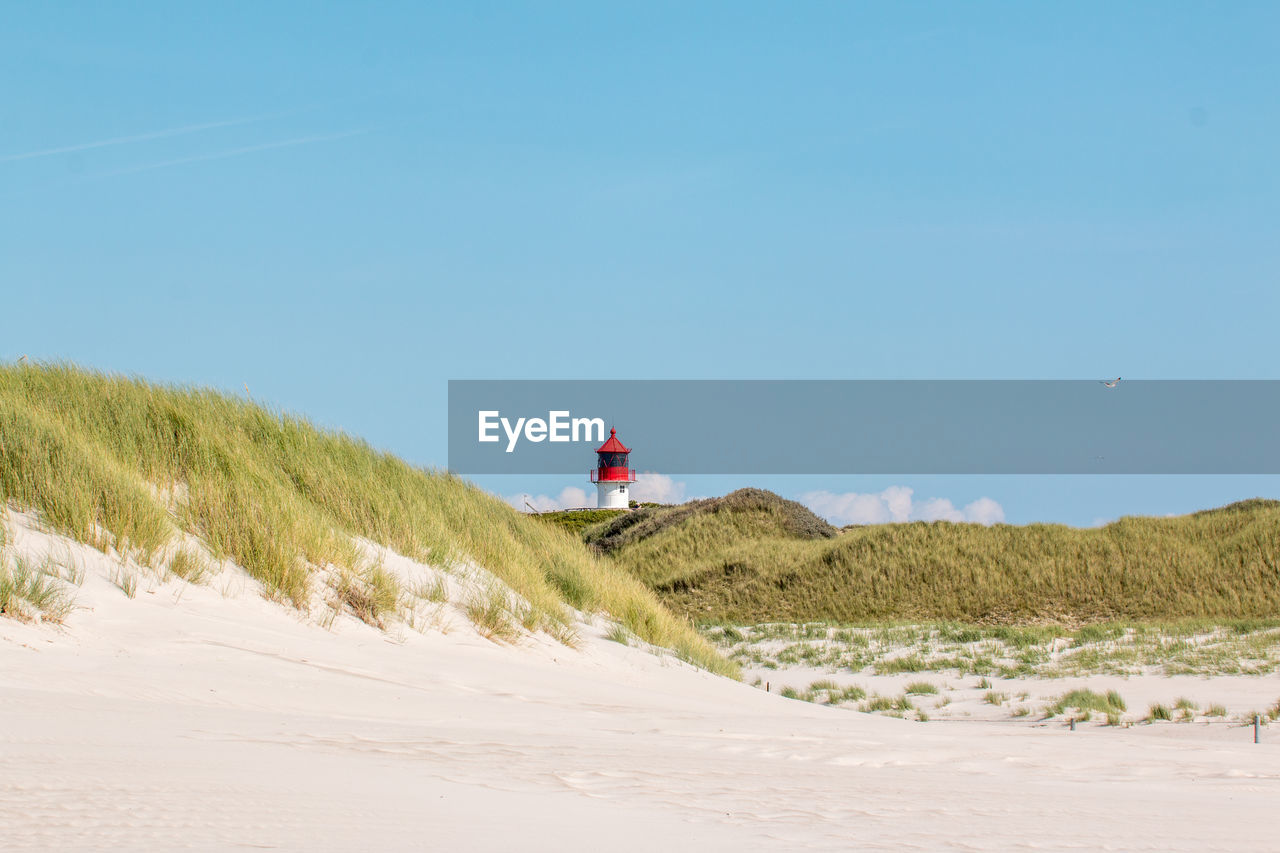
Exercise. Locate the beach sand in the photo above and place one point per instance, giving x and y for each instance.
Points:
(204, 717)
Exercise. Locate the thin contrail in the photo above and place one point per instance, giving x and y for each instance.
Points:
(139, 137)
(232, 152)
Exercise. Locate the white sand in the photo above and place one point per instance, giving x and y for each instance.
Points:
(207, 718)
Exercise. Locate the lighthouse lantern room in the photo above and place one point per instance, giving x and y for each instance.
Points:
(611, 474)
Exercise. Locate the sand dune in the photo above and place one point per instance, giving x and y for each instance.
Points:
(205, 717)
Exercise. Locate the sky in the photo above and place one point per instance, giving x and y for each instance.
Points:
(342, 207)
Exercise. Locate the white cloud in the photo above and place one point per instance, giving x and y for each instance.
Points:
(937, 509)
(985, 511)
(648, 487)
(571, 497)
(658, 488)
(897, 504)
(898, 501)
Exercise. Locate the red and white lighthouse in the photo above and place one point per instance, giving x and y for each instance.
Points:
(611, 474)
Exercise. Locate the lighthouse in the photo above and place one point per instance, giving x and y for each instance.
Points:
(611, 474)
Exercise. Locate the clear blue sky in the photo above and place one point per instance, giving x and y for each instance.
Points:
(346, 206)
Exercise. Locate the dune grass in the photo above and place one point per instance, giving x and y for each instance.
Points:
(1086, 702)
(1183, 647)
(896, 707)
(752, 557)
(619, 634)
(189, 565)
(920, 688)
(577, 521)
(32, 591)
(371, 593)
(825, 692)
(124, 464)
(753, 512)
(494, 614)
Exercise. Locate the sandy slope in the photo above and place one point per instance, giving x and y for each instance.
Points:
(207, 718)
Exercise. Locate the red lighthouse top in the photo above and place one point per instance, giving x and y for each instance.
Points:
(611, 462)
(613, 445)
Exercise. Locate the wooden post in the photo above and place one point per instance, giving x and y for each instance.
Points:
(1073, 724)
(1257, 721)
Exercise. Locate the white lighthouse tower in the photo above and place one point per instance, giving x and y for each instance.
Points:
(611, 474)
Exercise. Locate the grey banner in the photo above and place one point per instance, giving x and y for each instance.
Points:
(870, 427)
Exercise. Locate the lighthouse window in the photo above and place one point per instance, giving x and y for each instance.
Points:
(622, 490)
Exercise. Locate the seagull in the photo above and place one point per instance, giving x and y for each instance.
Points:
(1112, 383)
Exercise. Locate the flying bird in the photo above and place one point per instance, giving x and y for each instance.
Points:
(1111, 383)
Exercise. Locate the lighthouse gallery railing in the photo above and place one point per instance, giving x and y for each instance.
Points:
(611, 474)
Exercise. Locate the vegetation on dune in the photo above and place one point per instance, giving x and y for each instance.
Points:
(825, 693)
(125, 464)
(750, 557)
(31, 591)
(754, 513)
(1189, 647)
(577, 520)
(1084, 702)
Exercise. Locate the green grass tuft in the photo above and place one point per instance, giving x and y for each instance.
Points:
(490, 611)
(189, 566)
(30, 591)
(921, 687)
(1087, 701)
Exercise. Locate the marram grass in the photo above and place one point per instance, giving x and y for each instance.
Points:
(124, 463)
(751, 557)
(31, 591)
